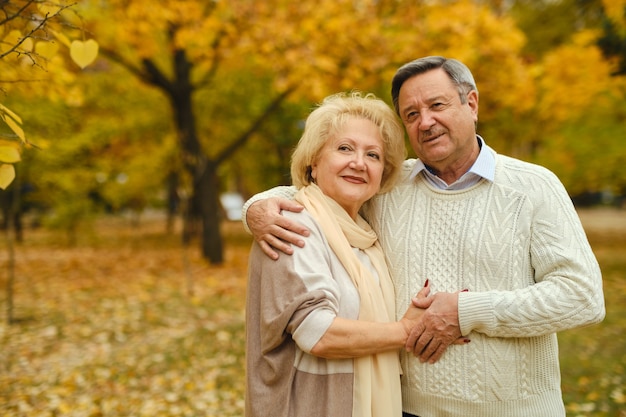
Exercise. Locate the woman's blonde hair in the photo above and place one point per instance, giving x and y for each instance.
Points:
(330, 117)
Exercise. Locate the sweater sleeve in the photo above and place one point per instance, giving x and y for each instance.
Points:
(299, 295)
(567, 288)
(285, 191)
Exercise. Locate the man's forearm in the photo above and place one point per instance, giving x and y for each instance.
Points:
(285, 191)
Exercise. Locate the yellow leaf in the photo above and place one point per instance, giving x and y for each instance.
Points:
(27, 45)
(7, 175)
(9, 154)
(13, 121)
(13, 37)
(61, 37)
(8, 111)
(14, 127)
(49, 9)
(47, 49)
(593, 396)
(84, 53)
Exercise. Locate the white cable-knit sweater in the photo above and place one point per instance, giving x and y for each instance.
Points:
(518, 246)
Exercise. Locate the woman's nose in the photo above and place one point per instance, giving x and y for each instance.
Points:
(358, 161)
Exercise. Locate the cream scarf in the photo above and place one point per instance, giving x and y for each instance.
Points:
(376, 377)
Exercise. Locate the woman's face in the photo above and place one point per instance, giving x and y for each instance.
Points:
(350, 166)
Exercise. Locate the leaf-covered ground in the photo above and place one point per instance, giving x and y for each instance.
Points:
(128, 323)
(125, 324)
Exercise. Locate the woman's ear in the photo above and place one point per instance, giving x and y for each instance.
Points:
(312, 172)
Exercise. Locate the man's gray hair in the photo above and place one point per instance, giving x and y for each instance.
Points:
(458, 72)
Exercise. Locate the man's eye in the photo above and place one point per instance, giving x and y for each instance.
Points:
(411, 116)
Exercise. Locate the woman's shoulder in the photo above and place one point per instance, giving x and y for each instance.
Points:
(302, 216)
(307, 220)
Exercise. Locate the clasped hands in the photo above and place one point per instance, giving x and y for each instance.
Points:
(432, 321)
(432, 324)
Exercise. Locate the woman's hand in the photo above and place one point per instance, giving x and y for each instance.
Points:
(413, 314)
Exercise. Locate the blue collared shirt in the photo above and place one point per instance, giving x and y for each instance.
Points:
(484, 167)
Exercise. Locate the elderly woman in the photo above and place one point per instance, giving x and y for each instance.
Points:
(322, 339)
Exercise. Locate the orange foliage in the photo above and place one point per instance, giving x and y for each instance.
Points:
(572, 78)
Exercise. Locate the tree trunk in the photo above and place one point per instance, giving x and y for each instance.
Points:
(202, 206)
(208, 191)
(203, 203)
(173, 200)
(12, 231)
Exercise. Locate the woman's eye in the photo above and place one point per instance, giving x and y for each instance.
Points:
(344, 148)
(374, 155)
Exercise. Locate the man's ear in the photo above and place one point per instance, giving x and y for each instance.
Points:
(472, 102)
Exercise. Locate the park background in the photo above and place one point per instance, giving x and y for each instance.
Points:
(123, 281)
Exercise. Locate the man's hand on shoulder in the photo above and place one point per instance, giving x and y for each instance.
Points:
(271, 229)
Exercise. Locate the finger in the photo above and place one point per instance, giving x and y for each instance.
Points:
(271, 243)
(422, 343)
(268, 250)
(433, 351)
(287, 237)
(437, 354)
(289, 205)
(414, 335)
(462, 341)
(290, 229)
(422, 302)
(423, 292)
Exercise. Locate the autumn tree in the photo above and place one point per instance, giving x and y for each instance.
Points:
(24, 25)
(579, 98)
(184, 47)
(575, 92)
(26, 46)
(613, 39)
(235, 74)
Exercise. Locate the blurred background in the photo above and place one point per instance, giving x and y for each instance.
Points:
(189, 100)
(123, 112)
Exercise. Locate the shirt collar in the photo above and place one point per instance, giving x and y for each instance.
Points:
(483, 167)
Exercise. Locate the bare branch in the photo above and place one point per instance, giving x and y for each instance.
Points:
(271, 107)
(41, 24)
(9, 17)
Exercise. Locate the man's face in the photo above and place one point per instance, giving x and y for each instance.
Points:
(441, 129)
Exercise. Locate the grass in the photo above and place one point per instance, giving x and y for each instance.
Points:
(593, 359)
(127, 323)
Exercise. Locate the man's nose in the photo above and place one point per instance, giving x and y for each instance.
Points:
(427, 120)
